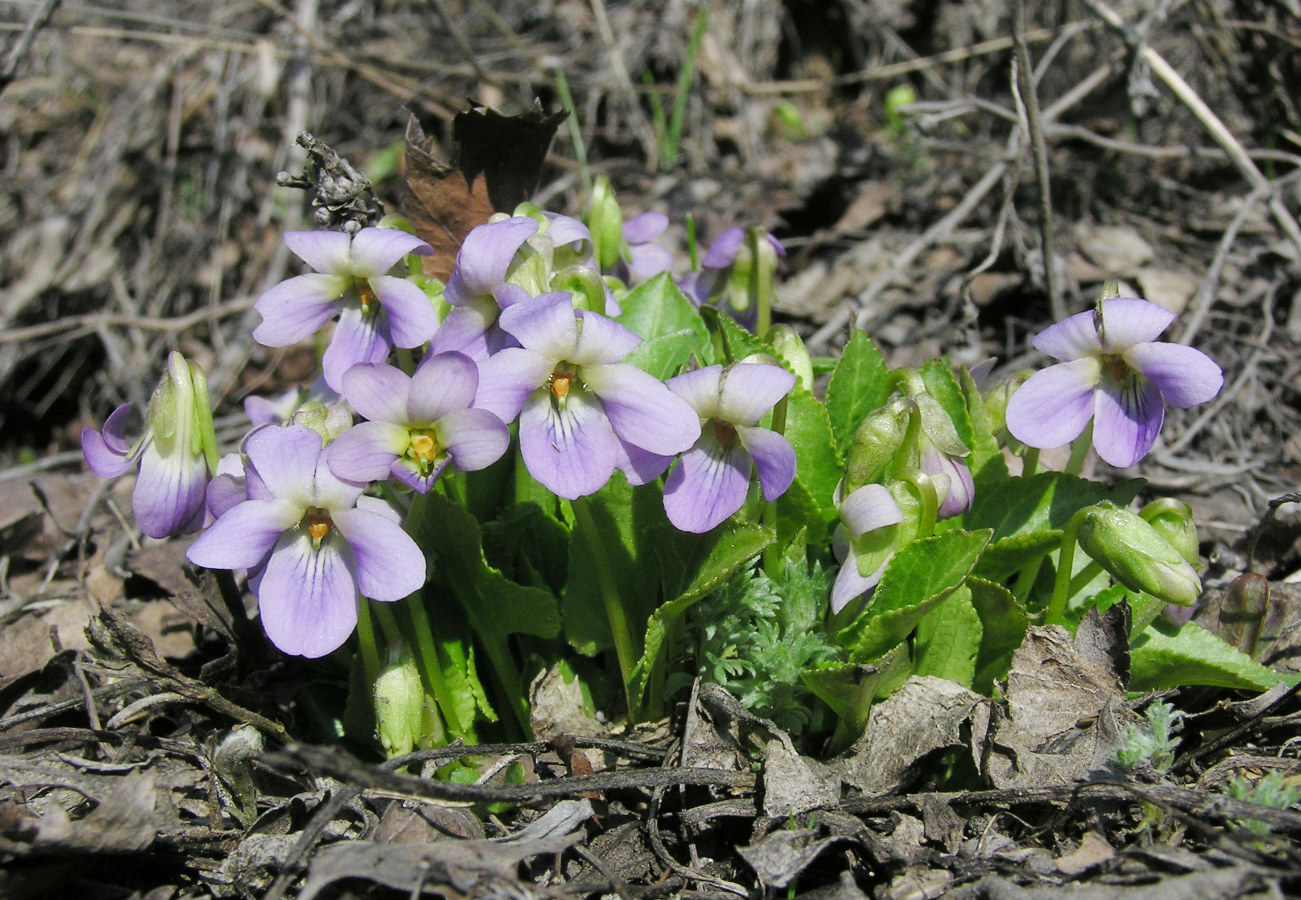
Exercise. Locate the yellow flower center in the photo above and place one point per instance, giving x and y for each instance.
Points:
(367, 294)
(560, 383)
(424, 448)
(318, 525)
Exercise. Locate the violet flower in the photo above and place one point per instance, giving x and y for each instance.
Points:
(863, 542)
(644, 259)
(313, 543)
(1114, 371)
(377, 311)
(418, 425)
(711, 480)
(582, 411)
(176, 454)
(737, 269)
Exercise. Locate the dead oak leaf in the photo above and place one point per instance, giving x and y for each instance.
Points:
(493, 164)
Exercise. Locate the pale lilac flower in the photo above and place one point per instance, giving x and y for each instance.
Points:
(174, 454)
(863, 541)
(645, 259)
(314, 545)
(1114, 371)
(376, 311)
(478, 290)
(418, 425)
(281, 409)
(731, 277)
(582, 411)
(711, 480)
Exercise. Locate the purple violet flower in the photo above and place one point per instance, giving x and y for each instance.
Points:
(418, 424)
(477, 288)
(174, 454)
(863, 540)
(1112, 370)
(645, 259)
(377, 311)
(582, 411)
(730, 276)
(952, 480)
(313, 543)
(711, 479)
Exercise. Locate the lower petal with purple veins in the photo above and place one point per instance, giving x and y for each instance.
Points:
(1129, 417)
(357, 338)
(569, 448)
(708, 484)
(389, 563)
(307, 595)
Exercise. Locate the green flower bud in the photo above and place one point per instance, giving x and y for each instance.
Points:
(179, 410)
(584, 284)
(327, 421)
(791, 349)
(605, 222)
(1174, 519)
(399, 704)
(1137, 555)
(878, 443)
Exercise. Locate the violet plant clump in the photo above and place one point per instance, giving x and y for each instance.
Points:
(566, 460)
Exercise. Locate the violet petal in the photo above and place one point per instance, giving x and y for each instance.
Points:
(442, 383)
(390, 564)
(243, 535)
(571, 451)
(297, 308)
(1185, 375)
(774, 458)
(708, 484)
(307, 596)
(641, 410)
(1054, 405)
(378, 392)
(1128, 419)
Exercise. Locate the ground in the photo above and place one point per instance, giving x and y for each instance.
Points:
(149, 748)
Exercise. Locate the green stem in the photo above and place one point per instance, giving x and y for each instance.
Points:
(624, 647)
(388, 623)
(366, 643)
(1029, 461)
(431, 668)
(773, 565)
(1080, 451)
(1062, 584)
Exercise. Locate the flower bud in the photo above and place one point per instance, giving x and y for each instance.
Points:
(1174, 519)
(878, 442)
(605, 221)
(327, 420)
(791, 349)
(1137, 555)
(399, 704)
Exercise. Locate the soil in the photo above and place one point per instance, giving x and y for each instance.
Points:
(151, 746)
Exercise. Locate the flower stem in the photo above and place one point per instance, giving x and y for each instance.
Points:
(366, 642)
(1080, 451)
(624, 647)
(1062, 585)
(1029, 461)
(431, 668)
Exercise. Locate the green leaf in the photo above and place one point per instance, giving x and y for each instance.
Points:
(850, 688)
(948, 639)
(1003, 627)
(1009, 555)
(859, 385)
(1194, 656)
(658, 309)
(1041, 502)
(717, 555)
(737, 342)
(920, 576)
(665, 355)
(819, 465)
(984, 446)
(941, 384)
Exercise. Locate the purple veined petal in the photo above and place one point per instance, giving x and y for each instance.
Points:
(474, 438)
(572, 452)
(645, 227)
(389, 563)
(700, 388)
(307, 596)
(169, 492)
(284, 460)
(638, 466)
(868, 508)
(1128, 419)
(357, 338)
(722, 252)
(485, 256)
(708, 484)
(378, 392)
(412, 319)
(774, 459)
(1075, 337)
(365, 452)
(507, 378)
(749, 391)
(1054, 405)
(466, 329)
(443, 382)
(641, 410)
(244, 534)
(648, 260)
(1128, 321)
(1185, 375)
(297, 308)
(602, 341)
(376, 250)
(406, 471)
(850, 583)
(564, 230)
(325, 251)
(547, 324)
